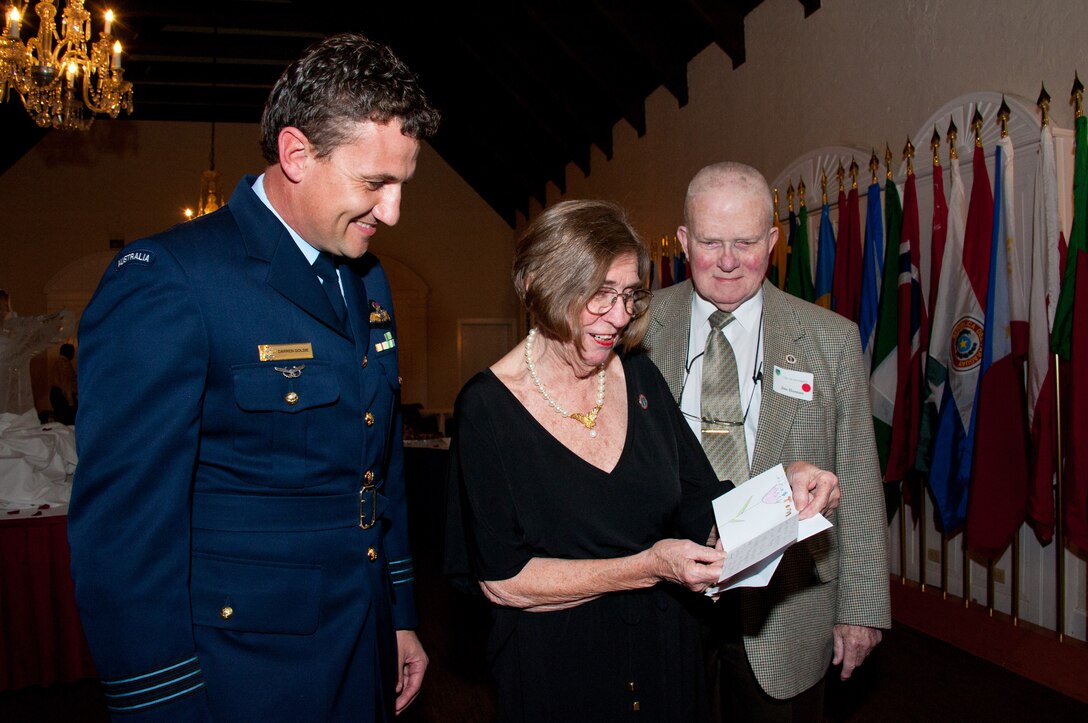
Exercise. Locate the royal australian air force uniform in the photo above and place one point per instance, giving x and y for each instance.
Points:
(238, 521)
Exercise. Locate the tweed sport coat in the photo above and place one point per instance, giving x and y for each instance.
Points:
(838, 576)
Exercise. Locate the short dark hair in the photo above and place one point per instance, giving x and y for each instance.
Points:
(338, 81)
(563, 258)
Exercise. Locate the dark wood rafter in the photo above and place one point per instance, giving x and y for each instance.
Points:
(527, 89)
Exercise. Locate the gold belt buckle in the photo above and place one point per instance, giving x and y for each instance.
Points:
(367, 487)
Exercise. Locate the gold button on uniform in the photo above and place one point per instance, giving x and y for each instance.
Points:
(369, 419)
(226, 612)
(631, 686)
(291, 398)
(364, 361)
(635, 706)
(369, 476)
(371, 554)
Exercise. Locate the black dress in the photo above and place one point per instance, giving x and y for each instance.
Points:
(518, 493)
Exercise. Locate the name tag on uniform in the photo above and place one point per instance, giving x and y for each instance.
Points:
(278, 352)
(793, 383)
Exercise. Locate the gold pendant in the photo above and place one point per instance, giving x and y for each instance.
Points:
(589, 421)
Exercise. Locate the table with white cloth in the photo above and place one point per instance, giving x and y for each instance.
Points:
(41, 640)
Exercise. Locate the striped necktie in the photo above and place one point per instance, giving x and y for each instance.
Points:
(723, 419)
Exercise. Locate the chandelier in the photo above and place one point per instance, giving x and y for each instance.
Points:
(58, 78)
(211, 187)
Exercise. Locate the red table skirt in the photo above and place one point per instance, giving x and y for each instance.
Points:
(41, 641)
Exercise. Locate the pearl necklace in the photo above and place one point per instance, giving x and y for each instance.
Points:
(587, 420)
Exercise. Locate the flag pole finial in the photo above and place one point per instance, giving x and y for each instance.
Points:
(976, 124)
(888, 159)
(874, 165)
(1003, 117)
(841, 175)
(823, 186)
(953, 131)
(935, 144)
(854, 168)
(908, 156)
(801, 193)
(789, 197)
(774, 200)
(1077, 95)
(1044, 104)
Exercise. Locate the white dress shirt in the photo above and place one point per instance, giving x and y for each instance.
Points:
(745, 335)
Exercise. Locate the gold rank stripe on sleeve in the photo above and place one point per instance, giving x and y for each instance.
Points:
(278, 352)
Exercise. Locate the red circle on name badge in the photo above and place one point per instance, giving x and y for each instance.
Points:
(806, 388)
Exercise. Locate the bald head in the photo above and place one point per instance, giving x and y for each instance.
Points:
(730, 179)
(728, 233)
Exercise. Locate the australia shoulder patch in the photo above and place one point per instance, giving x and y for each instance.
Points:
(142, 257)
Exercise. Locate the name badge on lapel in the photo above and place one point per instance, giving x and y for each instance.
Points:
(793, 383)
(280, 352)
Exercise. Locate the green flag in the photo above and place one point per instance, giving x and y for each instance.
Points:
(1061, 336)
(882, 380)
(799, 268)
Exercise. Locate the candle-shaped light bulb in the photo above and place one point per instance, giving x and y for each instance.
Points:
(188, 213)
(116, 54)
(109, 22)
(14, 18)
(72, 70)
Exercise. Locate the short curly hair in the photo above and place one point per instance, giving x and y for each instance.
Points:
(339, 81)
(563, 258)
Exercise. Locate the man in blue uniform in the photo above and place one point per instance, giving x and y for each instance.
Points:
(238, 522)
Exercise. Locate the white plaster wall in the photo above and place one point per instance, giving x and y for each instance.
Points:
(856, 72)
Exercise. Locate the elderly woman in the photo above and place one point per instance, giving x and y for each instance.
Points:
(580, 499)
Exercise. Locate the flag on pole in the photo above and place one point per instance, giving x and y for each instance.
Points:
(882, 379)
(666, 267)
(1041, 393)
(776, 270)
(938, 239)
(825, 259)
(846, 286)
(872, 266)
(950, 471)
(799, 268)
(997, 503)
(942, 312)
(679, 267)
(1070, 340)
(912, 317)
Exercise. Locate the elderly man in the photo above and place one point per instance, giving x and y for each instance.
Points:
(764, 378)
(238, 521)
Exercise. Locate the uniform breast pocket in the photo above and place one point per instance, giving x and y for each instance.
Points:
(278, 404)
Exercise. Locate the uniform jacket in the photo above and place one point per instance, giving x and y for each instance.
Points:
(221, 569)
(838, 576)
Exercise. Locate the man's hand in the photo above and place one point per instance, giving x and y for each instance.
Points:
(411, 665)
(814, 490)
(853, 643)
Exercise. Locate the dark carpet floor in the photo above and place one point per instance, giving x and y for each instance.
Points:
(910, 677)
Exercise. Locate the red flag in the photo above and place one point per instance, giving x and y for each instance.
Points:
(912, 314)
(1076, 452)
(940, 235)
(997, 503)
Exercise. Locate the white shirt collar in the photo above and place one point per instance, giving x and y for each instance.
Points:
(307, 250)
